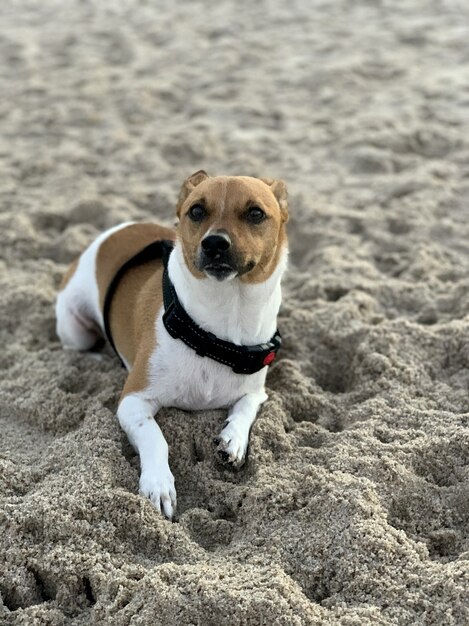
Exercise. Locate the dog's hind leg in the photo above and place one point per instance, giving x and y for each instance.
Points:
(79, 318)
(75, 331)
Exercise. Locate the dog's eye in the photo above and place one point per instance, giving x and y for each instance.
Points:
(197, 212)
(255, 215)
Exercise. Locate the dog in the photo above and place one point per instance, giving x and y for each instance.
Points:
(191, 312)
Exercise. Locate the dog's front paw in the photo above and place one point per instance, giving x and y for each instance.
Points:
(232, 445)
(157, 484)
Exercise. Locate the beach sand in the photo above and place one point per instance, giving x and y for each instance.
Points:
(353, 507)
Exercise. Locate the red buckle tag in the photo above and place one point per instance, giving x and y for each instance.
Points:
(269, 358)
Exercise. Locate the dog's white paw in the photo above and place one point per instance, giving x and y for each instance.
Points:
(157, 484)
(232, 445)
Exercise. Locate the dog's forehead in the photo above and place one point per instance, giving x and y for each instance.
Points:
(232, 191)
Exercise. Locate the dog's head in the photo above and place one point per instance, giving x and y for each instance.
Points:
(232, 226)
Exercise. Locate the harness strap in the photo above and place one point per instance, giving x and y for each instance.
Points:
(179, 324)
(241, 359)
(155, 250)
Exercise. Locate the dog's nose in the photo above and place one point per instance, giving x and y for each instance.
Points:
(215, 244)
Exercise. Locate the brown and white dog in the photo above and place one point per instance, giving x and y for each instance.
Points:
(230, 251)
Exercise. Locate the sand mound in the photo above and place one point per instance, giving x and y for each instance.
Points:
(354, 505)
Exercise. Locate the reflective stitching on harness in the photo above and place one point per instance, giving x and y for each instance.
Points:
(185, 340)
(214, 340)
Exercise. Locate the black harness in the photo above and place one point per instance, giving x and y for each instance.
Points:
(241, 359)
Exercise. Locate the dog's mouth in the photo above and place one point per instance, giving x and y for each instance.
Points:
(222, 265)
(219, 271)
(224, 271)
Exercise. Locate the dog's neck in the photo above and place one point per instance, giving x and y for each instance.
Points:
(245, 314)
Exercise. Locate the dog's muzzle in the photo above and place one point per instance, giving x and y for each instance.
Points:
(216, 257)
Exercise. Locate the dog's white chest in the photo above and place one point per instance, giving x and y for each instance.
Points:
(187, 381)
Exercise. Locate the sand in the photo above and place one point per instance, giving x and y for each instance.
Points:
(353, 507)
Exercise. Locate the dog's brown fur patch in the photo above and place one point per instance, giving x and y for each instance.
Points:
(138, 297)
(122, 246)
(136, 305)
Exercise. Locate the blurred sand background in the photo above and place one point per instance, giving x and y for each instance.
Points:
(353, 507)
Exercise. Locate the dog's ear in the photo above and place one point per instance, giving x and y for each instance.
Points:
(188, 185)
(279, 189)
